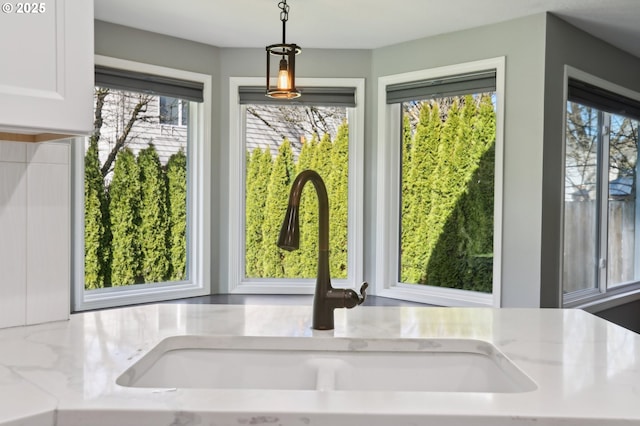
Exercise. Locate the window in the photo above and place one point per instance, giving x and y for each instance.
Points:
(439, 168)
(601, 234)
(173, 111)
(276, 141)
(136, 189)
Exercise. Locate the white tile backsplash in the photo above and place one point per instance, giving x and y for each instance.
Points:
(35, 242)
(13, 152)
(47, 242)
(48, 153)
(13, 243)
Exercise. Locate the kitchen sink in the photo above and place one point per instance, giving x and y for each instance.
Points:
(327, 364)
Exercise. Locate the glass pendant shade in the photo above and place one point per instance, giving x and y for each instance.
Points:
(284, 86)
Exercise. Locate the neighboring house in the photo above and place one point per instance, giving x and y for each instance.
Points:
(163, 122)
(268, 125)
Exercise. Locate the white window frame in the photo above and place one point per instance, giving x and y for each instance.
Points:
(237, 282)
(388, 207)
(600, 298)
(199, 201)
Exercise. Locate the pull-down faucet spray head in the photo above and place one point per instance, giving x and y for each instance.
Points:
(289, 238)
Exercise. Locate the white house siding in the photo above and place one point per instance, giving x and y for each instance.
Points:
(268, 125)
(167, 139)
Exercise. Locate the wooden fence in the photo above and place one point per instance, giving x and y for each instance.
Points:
(580, 262)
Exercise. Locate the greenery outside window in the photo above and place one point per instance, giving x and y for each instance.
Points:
(137, 203)
(440, 170)
(276, 141)
(601, 236)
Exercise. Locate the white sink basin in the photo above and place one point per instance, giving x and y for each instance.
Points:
(331, 364)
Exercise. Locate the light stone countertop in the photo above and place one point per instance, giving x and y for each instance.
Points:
(587, 370)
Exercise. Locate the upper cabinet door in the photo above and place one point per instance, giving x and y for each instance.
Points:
(46, 76)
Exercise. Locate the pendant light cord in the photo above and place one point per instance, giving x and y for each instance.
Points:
(284, 17)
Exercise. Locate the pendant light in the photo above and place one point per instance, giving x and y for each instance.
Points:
(285, 87)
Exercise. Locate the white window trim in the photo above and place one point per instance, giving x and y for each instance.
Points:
(593, 299)
(388, 178)
(237, 282)
(198, 229)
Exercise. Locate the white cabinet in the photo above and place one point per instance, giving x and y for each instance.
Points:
(46, 77)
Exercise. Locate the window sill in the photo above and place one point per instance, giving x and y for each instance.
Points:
(137, 294)
(606, 301)
(282, 286)
(273, 288)
(437, 296)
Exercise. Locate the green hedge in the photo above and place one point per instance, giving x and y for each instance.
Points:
(447, 200)
(268, 184)
(135, 227)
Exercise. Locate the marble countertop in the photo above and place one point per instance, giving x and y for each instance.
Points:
(587, 370)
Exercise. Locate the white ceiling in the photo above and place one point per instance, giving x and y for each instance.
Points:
(359, 24)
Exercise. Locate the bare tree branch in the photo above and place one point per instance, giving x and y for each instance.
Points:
(101, 94)
(140, 108)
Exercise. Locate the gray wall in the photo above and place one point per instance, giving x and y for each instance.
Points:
(566, 45)
(536, 49)
(251, 63)
(142, 46)
(221, 63)
(522, 43)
